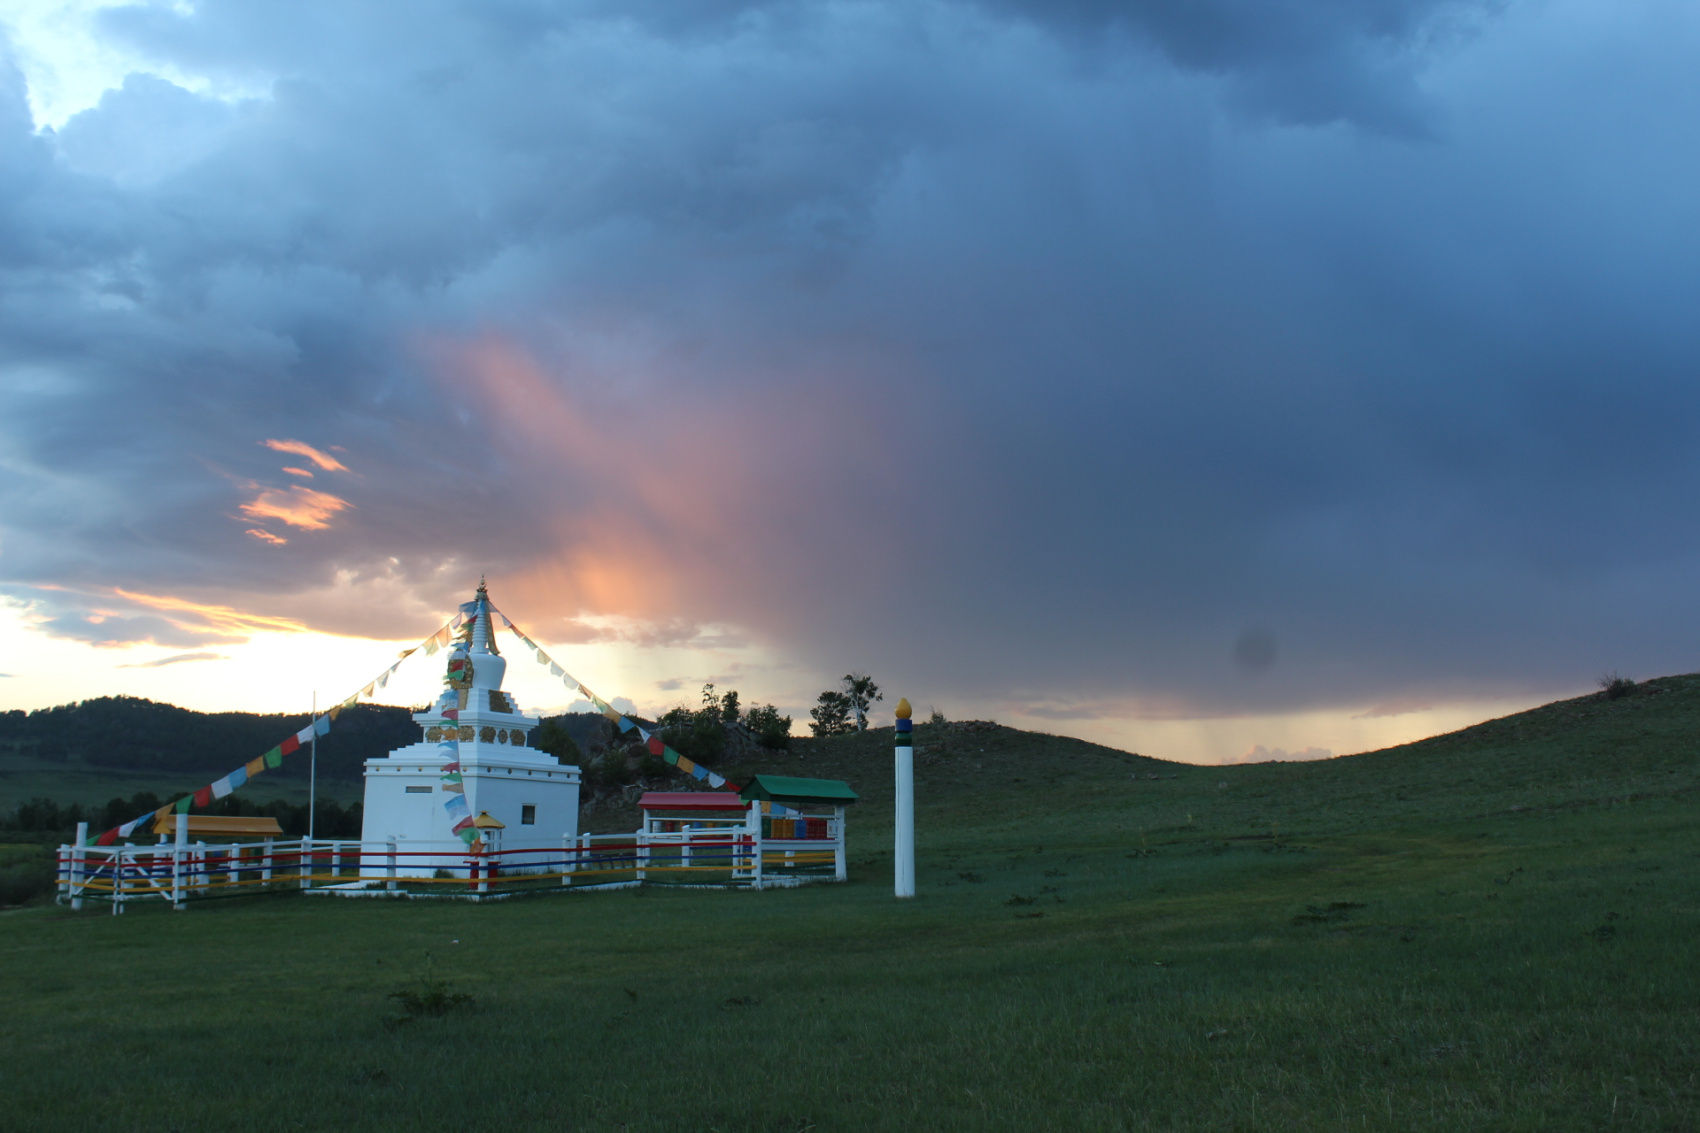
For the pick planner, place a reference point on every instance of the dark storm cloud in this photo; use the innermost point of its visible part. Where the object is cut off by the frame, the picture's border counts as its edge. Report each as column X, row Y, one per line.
column 1303, row 61
column 1220, row 357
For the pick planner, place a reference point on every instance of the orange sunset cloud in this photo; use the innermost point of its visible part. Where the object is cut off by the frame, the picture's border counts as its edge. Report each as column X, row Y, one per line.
column 301, row 448
column 305, row 508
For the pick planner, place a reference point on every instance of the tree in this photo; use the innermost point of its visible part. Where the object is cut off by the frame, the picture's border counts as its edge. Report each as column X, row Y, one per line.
column 770, row 728
column 699, row 733
column 831, row 714
column 552, row 738
column 860, row 692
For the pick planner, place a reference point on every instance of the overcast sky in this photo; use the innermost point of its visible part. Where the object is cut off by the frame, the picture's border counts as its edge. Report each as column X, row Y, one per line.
column 1221, row 380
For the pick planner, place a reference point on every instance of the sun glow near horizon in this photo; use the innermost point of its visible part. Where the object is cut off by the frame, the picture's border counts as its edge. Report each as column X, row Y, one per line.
column 280, row 665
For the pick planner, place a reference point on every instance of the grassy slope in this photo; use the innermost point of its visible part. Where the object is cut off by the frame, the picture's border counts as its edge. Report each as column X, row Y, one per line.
column 74, row 782
column 1486, row 930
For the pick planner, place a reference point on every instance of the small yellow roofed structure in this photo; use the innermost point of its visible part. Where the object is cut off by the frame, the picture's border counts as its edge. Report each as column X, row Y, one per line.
column 219, row 824
column 485, row 822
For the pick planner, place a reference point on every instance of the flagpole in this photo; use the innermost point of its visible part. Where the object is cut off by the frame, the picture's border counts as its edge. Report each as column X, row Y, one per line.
column 313, row 772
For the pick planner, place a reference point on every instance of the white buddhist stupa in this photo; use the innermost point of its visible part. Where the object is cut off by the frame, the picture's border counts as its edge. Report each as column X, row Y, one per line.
column 531, row 796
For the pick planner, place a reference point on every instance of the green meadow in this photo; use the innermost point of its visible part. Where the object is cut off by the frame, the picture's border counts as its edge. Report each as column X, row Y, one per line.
column 1488, row 930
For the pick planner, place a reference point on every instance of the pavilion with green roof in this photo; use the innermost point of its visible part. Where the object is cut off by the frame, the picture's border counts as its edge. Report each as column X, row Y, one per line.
column 791, row 834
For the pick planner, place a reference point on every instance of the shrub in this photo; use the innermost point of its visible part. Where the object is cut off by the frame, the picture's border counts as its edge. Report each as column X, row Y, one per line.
column 1616, row 687
column 23, row 882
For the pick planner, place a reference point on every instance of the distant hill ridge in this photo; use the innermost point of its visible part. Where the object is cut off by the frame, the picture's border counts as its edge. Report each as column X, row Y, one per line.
column 1652, row 725
column 134, row 735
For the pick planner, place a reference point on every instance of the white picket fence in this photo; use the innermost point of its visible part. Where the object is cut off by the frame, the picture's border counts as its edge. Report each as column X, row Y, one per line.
column 741, row 856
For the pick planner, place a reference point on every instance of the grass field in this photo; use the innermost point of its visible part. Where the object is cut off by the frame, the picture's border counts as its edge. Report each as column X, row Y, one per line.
column 1492, row 930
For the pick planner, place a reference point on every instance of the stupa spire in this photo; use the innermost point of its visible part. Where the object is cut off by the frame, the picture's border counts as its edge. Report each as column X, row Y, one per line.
column 483, row 638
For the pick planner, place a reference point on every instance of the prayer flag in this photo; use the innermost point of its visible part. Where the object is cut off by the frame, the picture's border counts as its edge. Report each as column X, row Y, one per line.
column 184, row 803
column 323, row 723
column 305, row 735
column 220, row 788
column 256, row 766
column 237, row 777
column 289, row 745
column 274, row 757
column 203, row 797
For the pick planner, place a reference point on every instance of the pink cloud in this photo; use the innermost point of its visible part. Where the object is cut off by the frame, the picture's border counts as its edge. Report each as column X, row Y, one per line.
column 305, row 508
column 301, row 448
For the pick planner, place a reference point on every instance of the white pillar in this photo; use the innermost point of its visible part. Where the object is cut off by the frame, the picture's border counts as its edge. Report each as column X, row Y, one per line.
column 904, row 883
column 179, row 845
column 389, row 863
column 757, row 844
column 840, row 868
column 75, row 887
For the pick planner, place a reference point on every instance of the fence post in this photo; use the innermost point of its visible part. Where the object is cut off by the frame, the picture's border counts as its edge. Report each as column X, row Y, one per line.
column 569, row 844
column 756, row 841
column 75, row 887
column 117, row 880
column 179, row 843
column 266, row 861
column 306, row 862
column 389, row 863
column 840, row 868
